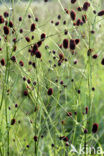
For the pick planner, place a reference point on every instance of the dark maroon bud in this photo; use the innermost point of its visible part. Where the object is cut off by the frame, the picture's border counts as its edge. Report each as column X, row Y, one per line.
column 86, row 110
column 59, row 63
column 75, row 113
column 57, row 23
column 69, row 114
column 38, row 54
column 102, row 62
column 67, row 11
column 13, row 121
column 24, row 78
column 16, row 105
column 25, row 92
column 50, row 91
column 1, row 19
column 73, row 15
column 27, row 146
column 61, row 56
column 52, row 21
column 101, row 13
column 29, row 16
column 77, row 41
column 36, row 19
column 6, row 14
column 21, row 31
column 95, row 56
column 10, row 24
column 79, row 22
column 34, row 64
column 95, row 128
column 93, row 89
column 34, row 83
column 72, row 44
column 32, row 27
column 65, row 139
column 86, row 5
column 13, row 58
column 73, row 1
column 43, row 36
column 35, row 138
column 79, row 9
column 29, row 62
column 75, row 61
column 84, row 18
column 65, row 43
column 53, row 145
column 79, row 91
column 94, row 11
column 59, row 17
column 35, row 47
column 27, row 39
column 61, row 82
column 67, row 144
column 64, row 22
column 21, row 63
column 92, row 32
column 20, row 19
column 45, row 0
column 85, row 131
column 6, row 30
column 0, row 49
column 66, row 32
column 3, row 62
column 28, row 81
column 39, row 43
column 14, row 40
column 32, row 37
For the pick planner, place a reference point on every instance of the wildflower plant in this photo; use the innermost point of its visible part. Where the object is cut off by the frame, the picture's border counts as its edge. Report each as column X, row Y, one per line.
column 51, row 70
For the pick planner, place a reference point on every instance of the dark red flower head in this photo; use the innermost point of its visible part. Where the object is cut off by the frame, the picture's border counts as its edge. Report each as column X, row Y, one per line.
column 13, row 58
column 38, row 54
column 6, row 14
column 65, row 43
column 73, row 15
column 95, row 128
column 27, row 39
column 3, row 62
column 84, row 18
column 43, row 36
column 72, row 44
column 32, row 27
column 73, row 1
column 101, row 13
column 77, row 41
column 102, row 62
column 13, row 121
column 1, row 19
column 21, row 63
column 67, row 11
column 79, row 22
column 10, row 24
column 86, row 5
column 50, row 91
column 25, row 92
column 35, row 138
column 20, row 19
column 6, row 30
column 86, row 110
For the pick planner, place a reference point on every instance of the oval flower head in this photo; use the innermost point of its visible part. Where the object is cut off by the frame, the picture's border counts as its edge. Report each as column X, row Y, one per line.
column 95, row 128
